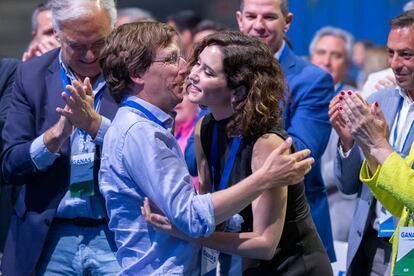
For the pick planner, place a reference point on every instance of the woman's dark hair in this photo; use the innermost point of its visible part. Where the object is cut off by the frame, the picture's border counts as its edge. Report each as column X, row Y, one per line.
column 249, row 63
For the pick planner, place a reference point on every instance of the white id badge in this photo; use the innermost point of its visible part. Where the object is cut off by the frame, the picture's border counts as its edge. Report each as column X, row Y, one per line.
column 386, row 226
column 81, row 175
column 405, row 254
column 209, row 260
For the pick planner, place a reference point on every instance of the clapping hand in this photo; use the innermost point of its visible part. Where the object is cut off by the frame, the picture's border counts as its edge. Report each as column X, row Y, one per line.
column 338, row 123
column 79, row 109
column 367, row 126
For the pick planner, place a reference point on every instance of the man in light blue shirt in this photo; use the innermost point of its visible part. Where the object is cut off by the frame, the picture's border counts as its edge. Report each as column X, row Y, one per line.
column 141, row 158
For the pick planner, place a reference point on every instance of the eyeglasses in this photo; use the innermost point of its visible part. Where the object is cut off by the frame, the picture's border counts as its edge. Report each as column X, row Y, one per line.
column 79, row 47
column 173, row 59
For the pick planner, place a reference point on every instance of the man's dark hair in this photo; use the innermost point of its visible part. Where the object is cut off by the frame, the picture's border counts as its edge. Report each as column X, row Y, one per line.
column 39, row 8
column 405, row 19
column 284, row 6
column 184, row 20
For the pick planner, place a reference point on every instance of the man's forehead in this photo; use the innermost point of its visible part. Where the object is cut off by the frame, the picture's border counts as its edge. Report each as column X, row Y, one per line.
column 45, row 14
column 403, row 30
column 339, row 41
column 401, row 35
column 262, row 6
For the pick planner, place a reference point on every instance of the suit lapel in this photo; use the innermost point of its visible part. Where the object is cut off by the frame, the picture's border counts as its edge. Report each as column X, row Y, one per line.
column 391, row 106
column 287, row 64
column 286, row 61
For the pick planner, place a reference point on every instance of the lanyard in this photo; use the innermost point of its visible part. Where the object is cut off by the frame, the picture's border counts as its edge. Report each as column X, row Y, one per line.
column 146, row 112
column 231, row 157
column 97, row 99
column 64, row 78
column 66, row 81
column 396, row 129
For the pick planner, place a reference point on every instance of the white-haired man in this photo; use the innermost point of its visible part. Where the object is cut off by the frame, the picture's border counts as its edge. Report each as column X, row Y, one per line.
column 331, row 49
column 52, row 141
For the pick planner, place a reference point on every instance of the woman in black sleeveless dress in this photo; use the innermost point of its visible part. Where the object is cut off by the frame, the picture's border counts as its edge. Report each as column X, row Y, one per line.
column 240, row 81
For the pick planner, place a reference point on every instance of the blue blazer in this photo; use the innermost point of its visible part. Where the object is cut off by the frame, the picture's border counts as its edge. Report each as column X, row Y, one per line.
column 347, row 172
column 36, row 94
column 310, row 89
column 7, row 69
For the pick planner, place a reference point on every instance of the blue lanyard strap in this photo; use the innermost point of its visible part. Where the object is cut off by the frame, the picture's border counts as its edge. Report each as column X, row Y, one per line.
column 146, row 112
column 64, row 78
column 396, row 129
column 66, row 81
column 228, row 167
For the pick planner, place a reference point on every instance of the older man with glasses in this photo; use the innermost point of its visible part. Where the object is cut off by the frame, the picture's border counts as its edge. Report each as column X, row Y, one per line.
column 59, row 114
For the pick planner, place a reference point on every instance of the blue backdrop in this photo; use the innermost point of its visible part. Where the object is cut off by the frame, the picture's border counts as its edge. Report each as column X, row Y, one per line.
column 365, row 19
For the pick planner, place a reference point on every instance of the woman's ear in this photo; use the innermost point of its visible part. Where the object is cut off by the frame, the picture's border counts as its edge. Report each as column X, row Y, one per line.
column 239, row 93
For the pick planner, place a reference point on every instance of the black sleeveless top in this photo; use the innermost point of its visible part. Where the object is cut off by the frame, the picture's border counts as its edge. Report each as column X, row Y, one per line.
column 300, row 250
column 297, row 206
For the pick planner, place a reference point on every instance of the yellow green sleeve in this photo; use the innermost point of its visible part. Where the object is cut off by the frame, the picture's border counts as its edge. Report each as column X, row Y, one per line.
column 392, row 184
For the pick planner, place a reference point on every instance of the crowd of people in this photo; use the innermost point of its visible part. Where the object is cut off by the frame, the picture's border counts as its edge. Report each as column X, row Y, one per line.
column 132, row 146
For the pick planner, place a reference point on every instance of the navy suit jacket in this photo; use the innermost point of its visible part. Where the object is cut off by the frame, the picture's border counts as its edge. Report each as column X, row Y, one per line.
column 347, row 172
column 310, row 89
column 7, row 69
column 36, row 94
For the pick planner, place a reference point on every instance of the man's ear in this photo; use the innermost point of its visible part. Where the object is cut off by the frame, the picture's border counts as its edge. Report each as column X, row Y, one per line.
column 136, row 78
column 239, row 18
column 56, row 34
column 239, row 93
column 288, row 22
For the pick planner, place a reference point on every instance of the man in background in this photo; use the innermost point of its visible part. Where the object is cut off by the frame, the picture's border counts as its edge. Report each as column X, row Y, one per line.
column 184, row 22
column 331, row 50
column 43, row 37
column 52, row 142
column 309, row 90
column 132, row 14
column 369, row 249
